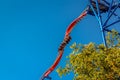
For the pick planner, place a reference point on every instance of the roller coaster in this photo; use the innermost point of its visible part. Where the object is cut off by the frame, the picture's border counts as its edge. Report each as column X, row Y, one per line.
column 95, row 8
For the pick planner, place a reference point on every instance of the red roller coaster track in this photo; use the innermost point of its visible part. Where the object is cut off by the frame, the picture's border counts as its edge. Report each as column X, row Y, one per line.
column 63, row 44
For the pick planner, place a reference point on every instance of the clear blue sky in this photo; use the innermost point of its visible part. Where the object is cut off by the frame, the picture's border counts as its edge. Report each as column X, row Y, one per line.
column 31, row 32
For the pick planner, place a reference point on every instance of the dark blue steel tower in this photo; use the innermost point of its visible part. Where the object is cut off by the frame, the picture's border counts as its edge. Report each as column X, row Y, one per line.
column 109, row 9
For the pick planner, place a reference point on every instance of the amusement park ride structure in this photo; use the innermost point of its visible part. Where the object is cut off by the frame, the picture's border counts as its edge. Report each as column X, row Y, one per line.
column 96, row 8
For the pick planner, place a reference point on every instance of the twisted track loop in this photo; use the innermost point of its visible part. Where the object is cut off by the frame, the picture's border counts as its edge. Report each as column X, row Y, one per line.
column 66, row 40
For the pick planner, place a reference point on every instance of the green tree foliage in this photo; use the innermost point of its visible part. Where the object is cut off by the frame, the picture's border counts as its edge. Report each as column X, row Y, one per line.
column 94, row 62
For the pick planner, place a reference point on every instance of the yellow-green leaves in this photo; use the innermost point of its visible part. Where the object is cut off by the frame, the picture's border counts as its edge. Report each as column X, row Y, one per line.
column 113, row 39
column 94, row 62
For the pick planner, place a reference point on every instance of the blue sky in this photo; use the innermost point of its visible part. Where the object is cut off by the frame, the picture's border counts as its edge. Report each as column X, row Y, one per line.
column 31, row 32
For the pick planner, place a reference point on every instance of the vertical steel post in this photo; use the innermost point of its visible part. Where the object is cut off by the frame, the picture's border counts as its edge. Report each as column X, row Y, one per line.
column 110, row 6
column 99, row 18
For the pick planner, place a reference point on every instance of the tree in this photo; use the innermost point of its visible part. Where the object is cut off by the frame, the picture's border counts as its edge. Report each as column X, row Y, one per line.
column 94, row 62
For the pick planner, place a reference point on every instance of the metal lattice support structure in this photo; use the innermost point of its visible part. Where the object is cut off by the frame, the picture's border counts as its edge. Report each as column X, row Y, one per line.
column 110, row 8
